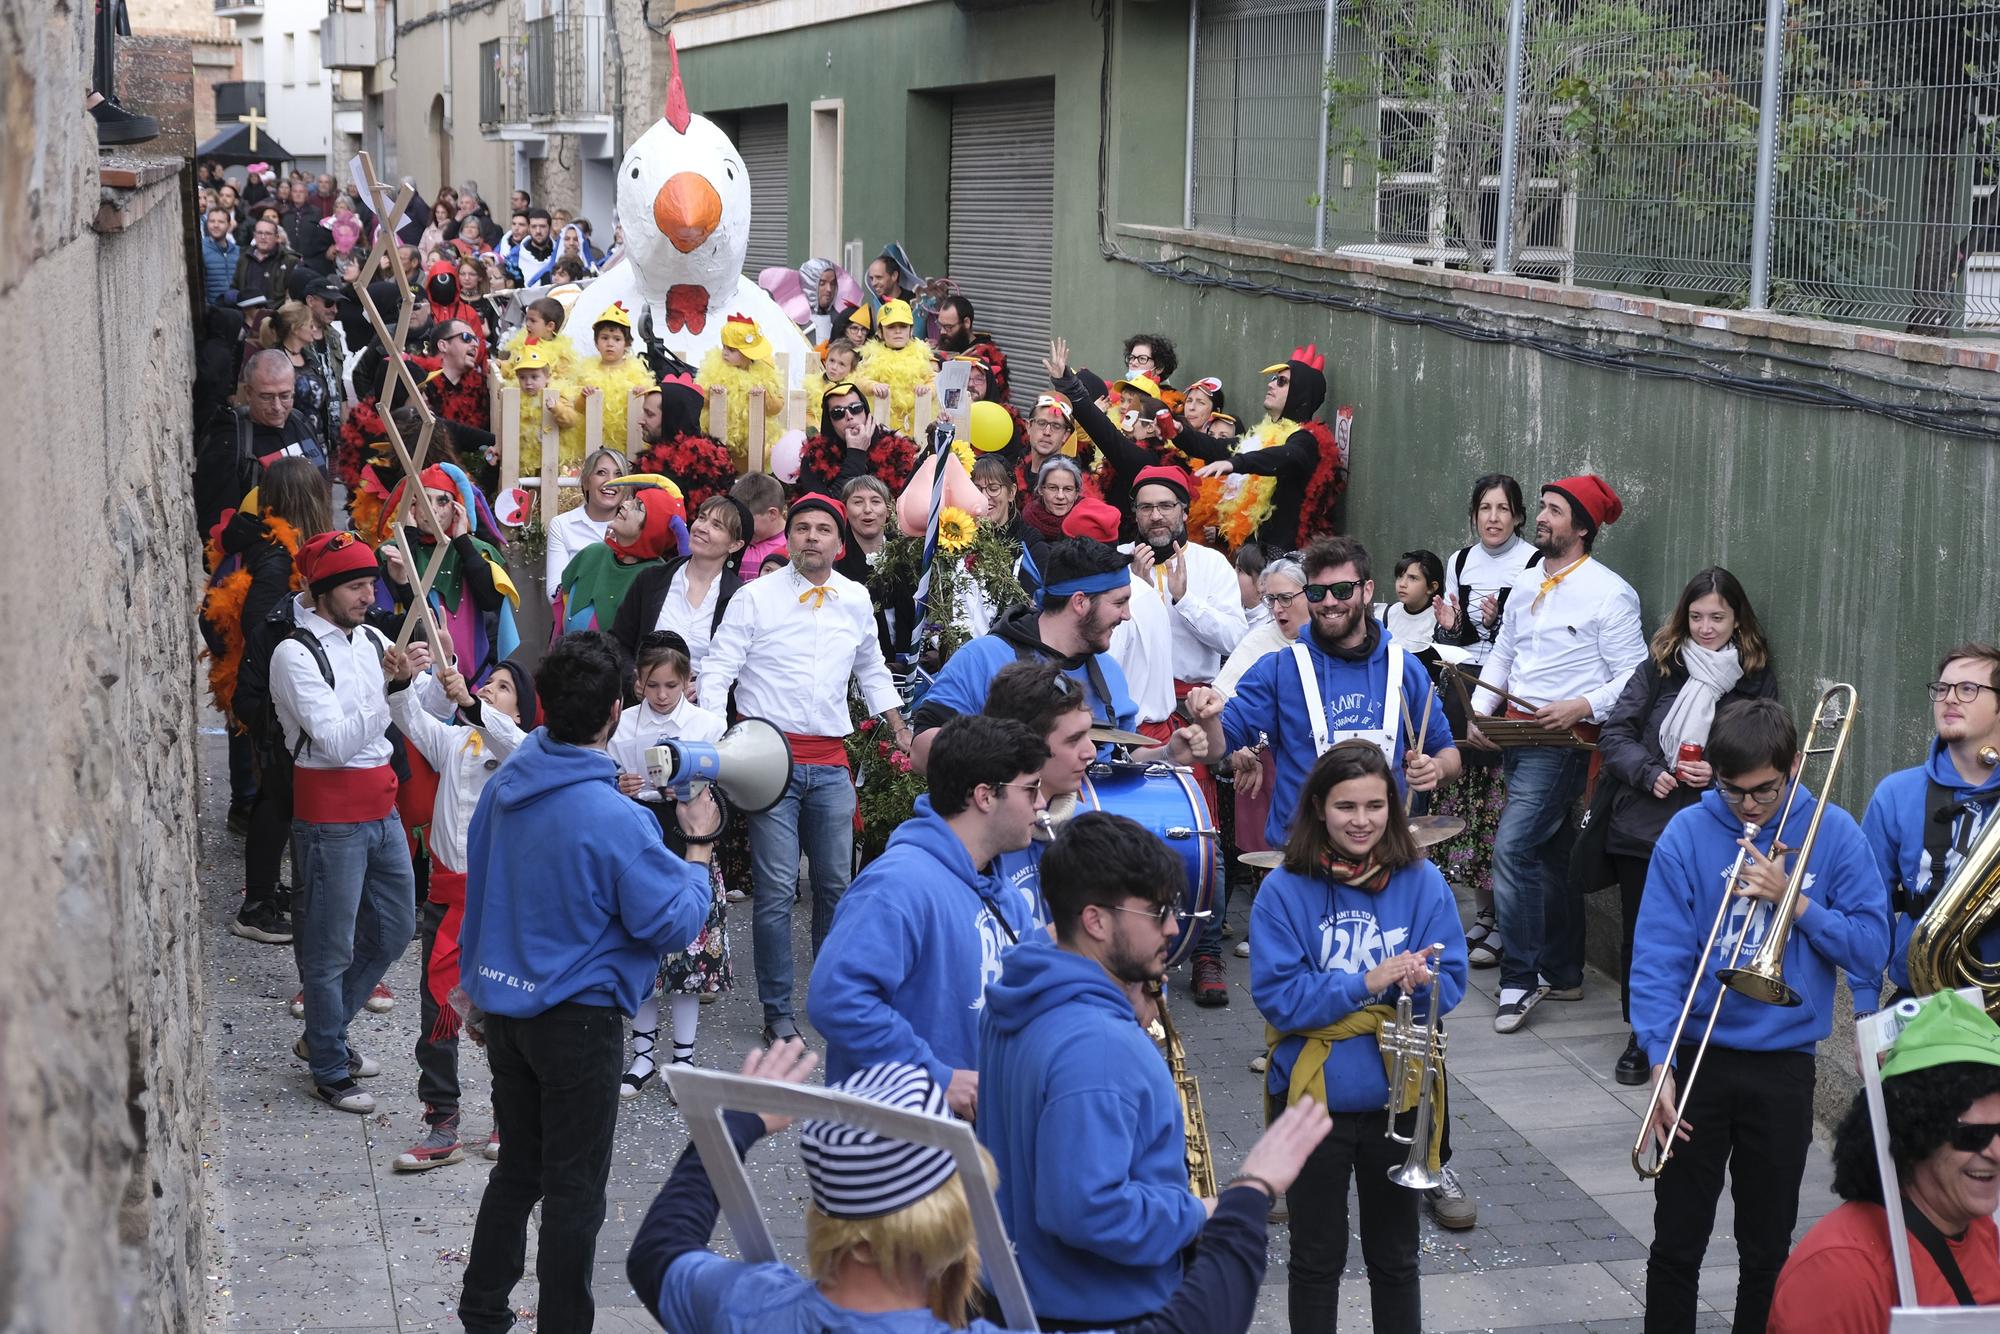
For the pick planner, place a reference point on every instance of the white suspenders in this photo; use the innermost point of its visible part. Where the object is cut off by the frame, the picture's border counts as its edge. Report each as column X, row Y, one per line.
column 1383, row 738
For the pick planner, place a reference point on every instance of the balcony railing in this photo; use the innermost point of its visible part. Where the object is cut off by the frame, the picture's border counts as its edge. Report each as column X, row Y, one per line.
column 225, row 8
column 564, row 73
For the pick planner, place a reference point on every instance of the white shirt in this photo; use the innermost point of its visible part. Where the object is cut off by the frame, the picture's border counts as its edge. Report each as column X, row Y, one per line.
column 642, row 727
column 568, row 533
column 1143, row 648
column 790, row 661
column 1266, row 638
column 1584, row 640
column 1208, row 621
column 349, row 722
column 1415, row 633
column 692, row 622
column 1486, row 572
column 464, row 756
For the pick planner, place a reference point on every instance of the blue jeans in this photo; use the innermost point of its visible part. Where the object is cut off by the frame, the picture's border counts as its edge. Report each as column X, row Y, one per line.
column 1540, row 924
column 353, row 910
column 817, row 811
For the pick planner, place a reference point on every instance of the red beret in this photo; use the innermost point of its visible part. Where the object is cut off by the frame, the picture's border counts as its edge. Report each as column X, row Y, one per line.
column 332, row 559
column 1591, row 496
column 1092, row 518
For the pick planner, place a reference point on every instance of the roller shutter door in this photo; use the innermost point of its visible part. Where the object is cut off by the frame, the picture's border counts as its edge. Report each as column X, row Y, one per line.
column 760, row 136
column 1003, row 220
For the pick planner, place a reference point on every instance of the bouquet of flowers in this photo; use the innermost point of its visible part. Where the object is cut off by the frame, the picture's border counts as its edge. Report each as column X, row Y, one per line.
column 885, row 787
column 973, row 560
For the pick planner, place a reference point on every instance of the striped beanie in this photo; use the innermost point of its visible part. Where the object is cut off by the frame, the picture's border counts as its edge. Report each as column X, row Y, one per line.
column 857, row 1173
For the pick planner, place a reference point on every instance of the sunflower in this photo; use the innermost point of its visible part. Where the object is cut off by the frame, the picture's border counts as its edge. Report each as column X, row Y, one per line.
column 963, row 448
column 956, row 529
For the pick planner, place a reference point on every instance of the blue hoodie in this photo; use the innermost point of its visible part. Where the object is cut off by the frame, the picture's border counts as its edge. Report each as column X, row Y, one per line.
column 1268, row 702
column 1846, row 925
column 902, row 975
column 1894, row 827
column 570, row 894
column 1020, row 875
column 1084, row 1124
column 1312, row 943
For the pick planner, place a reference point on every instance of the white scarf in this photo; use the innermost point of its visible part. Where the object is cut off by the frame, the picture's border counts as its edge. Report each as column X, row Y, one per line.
column 1712, row 673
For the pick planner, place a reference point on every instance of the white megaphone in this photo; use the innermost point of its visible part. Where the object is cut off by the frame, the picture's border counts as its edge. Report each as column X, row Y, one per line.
column 751, row 763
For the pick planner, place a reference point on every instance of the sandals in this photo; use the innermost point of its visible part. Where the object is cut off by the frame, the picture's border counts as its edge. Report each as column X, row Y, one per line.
column 637, row 1078
column 1482, row 949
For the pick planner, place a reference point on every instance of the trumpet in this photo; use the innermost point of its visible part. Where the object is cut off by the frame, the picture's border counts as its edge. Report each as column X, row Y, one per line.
column 1418, row 1055
column 1763, row 977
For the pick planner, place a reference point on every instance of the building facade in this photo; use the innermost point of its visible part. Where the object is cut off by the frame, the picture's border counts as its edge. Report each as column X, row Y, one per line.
column 218, row 58
column 280, row 40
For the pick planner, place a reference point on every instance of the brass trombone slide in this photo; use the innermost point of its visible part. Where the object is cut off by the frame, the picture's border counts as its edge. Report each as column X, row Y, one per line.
column 1763, row 977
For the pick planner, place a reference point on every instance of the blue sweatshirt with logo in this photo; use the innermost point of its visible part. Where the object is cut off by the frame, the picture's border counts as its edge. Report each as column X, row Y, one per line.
column 1894, row 826
column 1084, row 1124
column 903, row 973
column 1312, row 943
column 1269, row 703
column 570, row 894
column 1846, row 925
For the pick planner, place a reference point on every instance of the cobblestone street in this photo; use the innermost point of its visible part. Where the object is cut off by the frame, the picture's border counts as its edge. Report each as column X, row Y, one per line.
column 309, row 1228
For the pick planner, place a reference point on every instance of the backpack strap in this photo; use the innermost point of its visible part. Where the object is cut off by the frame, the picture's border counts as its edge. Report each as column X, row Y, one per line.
column 1942, row 811
column 303, row 636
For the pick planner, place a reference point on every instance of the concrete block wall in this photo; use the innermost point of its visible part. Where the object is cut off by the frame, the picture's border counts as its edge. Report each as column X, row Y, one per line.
column 102, row 1076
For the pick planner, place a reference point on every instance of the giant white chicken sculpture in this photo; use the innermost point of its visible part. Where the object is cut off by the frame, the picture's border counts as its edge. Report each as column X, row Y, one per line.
column 684, row 202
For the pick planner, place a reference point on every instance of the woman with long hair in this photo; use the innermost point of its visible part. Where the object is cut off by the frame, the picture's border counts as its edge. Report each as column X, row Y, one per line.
column 1710, row 651
column 252, row 559
column 1353, row 919
column 1477, row 578
column 689, row 594
column 580, row 526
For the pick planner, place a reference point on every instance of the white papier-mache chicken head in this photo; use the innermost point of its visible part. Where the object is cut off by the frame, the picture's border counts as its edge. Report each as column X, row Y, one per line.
column 684, row 199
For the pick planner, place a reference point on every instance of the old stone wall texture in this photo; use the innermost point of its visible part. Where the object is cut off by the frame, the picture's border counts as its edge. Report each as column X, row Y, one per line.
column 102, row 1081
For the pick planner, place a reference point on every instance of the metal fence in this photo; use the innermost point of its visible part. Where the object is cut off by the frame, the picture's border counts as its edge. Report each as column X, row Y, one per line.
column 492, row 103
column 1831, row 158
column 556, row 67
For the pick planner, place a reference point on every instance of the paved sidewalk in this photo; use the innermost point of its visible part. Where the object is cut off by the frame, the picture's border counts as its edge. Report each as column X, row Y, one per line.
column 309, row 1228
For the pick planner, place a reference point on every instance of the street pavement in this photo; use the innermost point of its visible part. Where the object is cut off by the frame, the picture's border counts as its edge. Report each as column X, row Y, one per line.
column 310, row 1228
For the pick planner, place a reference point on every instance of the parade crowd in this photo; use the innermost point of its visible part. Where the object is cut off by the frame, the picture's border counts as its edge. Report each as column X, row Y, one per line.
column 1152, row 599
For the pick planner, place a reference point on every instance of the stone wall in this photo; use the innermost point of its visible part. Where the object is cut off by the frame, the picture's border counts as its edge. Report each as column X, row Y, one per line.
column 102, row 1077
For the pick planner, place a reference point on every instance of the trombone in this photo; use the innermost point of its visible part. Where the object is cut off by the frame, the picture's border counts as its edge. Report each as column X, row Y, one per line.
column 1418, row 1054
column 1762, row 978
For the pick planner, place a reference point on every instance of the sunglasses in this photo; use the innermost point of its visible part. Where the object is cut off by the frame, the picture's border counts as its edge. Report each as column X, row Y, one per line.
column 1341, row 590
column 466, row 336
column 1160, row 912
column 847, row 410
column 1973, row 1136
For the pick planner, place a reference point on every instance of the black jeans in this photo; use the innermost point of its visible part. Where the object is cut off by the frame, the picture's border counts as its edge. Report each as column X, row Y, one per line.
column 1631, row 887
column 437, row 1058
column 270, row 832
column 555, row 1102
column 1753, row 1112
column 1356, row 1147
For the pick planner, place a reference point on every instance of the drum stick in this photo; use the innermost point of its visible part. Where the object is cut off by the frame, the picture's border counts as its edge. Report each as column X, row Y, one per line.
column 1424, row 730
column 1515, row 700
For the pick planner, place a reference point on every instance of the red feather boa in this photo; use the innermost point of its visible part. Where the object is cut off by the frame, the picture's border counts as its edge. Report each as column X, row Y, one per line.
column 699, row 464
column 891, row 457
column 1329, row 478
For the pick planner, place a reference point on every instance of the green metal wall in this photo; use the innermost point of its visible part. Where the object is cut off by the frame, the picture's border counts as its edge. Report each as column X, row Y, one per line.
column 1867, row 545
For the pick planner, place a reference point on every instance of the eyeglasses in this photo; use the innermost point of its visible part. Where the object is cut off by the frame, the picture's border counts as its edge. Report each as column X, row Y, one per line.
column 1161, row 507
column 1962, row 691
column 1973, row 1136
column 1275, row 600
column 1033, row 787
column 1763, row 794
column 1341, row 590
column 1139, row 359
column 847, row 410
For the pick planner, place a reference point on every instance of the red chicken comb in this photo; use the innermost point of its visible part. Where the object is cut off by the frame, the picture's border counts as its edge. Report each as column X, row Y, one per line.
column 1309, row 355
column 677, row 114
column 680, row 379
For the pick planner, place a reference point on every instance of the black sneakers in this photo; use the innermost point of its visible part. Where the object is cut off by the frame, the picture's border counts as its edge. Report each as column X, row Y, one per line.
column 116, row 125
column 261, row 920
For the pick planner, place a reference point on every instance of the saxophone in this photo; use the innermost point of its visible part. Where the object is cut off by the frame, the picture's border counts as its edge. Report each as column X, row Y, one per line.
column 1200, row 1159
column 1944, row 945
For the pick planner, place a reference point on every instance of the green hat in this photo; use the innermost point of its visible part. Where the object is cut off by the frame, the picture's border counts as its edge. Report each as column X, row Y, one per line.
column 1947, row 1031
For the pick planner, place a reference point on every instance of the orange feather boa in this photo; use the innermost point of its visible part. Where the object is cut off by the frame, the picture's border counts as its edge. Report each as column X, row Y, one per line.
column 222, row 608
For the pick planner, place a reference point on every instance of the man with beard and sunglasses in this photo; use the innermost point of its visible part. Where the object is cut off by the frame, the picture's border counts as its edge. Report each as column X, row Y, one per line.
column 1342, row 679
column 1569, row 640
column 1083, row 1121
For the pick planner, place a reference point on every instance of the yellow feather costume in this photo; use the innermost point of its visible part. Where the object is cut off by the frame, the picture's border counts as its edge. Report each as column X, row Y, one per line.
column 736, row 382
column 902, row 369
column 616, row 384
column 561, row 348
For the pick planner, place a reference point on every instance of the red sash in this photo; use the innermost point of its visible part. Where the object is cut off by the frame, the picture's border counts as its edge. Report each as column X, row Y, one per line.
column 343, row 796
column 827, row 750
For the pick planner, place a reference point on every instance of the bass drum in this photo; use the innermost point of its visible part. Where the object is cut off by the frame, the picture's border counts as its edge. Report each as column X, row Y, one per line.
column 1167, row 801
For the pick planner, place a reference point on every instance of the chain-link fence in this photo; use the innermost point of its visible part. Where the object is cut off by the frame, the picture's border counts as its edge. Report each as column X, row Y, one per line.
column 1832, row 158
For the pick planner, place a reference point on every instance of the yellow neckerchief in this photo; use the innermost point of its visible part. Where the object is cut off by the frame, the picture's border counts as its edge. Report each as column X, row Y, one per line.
column 817, row 594
column 1308, row 1078
column 1549, row 584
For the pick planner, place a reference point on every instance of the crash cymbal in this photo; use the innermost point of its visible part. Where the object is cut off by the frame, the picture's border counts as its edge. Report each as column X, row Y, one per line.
column 1102, row 733
column 1430, row 830
column 1263, row 861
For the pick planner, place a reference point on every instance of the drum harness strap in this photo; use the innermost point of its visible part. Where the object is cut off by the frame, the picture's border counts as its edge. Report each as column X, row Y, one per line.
column 1392, row 705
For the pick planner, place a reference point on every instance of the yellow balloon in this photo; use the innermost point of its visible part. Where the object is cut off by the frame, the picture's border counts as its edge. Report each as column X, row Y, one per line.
column 992, row 428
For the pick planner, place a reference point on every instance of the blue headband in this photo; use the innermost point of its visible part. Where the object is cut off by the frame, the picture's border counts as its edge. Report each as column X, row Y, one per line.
column 1086, row 583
